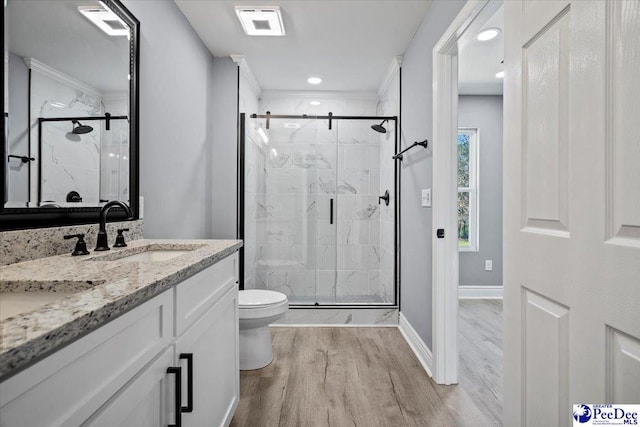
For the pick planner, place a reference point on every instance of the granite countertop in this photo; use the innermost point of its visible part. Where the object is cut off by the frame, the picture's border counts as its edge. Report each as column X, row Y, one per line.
column 101, row 291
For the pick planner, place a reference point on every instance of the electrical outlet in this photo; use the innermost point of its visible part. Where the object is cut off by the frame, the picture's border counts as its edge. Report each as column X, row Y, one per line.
column 426, row 198
column 488, row 265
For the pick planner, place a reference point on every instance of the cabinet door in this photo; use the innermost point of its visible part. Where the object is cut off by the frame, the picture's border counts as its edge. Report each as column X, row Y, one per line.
column 148, row 401
column 213, row 342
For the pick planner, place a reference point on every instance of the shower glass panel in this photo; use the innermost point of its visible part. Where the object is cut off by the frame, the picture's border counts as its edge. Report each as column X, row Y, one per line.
column 313, row 228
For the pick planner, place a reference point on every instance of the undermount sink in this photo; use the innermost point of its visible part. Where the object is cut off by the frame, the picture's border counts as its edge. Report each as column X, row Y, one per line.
column 154, row 255
column 14, row 303
column 18, row 297
column 149, row 253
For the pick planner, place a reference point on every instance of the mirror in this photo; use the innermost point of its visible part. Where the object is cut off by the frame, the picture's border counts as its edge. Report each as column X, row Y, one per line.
column 70, row 98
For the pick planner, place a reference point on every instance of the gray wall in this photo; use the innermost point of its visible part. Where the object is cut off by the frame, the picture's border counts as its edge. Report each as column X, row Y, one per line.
column 176, row 95
column 417, row 169
column 485, row 114
column 224, row 116
column 18, row 99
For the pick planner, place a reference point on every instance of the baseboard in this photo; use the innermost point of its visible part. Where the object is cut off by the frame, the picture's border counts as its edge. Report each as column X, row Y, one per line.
column 480, row 292
column 418, row 346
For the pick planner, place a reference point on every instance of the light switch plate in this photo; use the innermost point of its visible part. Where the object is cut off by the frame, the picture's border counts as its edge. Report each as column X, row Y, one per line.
column 426, row 198
column 488, row 265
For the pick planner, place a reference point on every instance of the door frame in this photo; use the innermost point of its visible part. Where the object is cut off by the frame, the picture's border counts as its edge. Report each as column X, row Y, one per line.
column 444, row 278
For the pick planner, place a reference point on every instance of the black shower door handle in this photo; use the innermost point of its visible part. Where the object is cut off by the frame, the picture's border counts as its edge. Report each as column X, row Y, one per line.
column 330, row 211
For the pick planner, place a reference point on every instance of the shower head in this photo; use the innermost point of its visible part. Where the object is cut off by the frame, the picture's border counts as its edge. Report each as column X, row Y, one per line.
column 380, row 128
column 80, row 128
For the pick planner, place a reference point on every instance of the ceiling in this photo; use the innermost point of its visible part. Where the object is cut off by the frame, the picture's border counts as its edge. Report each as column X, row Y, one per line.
column 349, row 44
column 79, row 49
column 479, row 61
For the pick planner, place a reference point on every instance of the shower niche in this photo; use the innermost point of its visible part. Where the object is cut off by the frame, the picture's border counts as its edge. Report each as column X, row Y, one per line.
column 315, row 223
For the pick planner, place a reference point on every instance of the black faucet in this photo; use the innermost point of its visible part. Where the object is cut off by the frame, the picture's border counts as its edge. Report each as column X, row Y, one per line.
column 102, row 244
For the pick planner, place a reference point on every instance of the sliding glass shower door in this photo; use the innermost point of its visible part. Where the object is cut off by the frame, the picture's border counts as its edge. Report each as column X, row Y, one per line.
column 312, row 219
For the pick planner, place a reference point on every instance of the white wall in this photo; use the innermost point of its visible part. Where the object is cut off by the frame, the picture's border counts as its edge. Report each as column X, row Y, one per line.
column 416, row 125
column 176, row 94
column 485, row 113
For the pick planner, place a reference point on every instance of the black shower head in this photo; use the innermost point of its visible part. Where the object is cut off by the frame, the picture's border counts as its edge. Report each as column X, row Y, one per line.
column 80, row 129
column 380, row 128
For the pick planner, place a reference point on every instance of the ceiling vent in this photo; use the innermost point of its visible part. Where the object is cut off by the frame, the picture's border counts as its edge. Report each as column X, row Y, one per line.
column 261, row 20
column 105, row 19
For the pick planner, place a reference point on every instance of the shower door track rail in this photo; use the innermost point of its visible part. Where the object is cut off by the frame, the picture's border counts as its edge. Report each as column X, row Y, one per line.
column 305, row 116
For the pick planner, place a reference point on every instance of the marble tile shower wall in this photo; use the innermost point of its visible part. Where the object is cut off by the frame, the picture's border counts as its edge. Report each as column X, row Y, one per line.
column 254, row 176
column 114, row 152
column 388, row 106
column 255, row 194
column 298, row 251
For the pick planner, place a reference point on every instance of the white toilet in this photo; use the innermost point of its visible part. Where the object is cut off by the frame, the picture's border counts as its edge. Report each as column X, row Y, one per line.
column 258, row 308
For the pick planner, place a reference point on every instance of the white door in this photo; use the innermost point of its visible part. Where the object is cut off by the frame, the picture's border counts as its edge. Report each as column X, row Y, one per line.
column 572, row 208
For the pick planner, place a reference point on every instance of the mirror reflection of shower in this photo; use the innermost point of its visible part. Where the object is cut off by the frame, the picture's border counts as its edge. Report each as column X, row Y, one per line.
column 79, row 128
column 380, row 128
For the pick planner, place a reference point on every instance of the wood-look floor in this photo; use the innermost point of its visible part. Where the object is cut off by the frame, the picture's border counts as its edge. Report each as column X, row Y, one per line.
column 480, row 350
column 349, row 377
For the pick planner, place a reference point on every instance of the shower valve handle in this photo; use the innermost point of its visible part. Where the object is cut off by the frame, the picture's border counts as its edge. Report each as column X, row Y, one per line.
column 384, row 197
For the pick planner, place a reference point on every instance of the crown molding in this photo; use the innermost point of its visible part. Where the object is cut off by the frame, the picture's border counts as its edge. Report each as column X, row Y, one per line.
column 48, row 71
column 248, row 74
column 392, row 71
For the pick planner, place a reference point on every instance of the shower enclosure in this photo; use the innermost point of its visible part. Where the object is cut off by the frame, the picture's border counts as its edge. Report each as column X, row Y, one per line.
column 314, row 219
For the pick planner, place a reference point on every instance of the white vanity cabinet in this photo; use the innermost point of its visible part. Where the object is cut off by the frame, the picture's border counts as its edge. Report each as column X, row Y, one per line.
column 118, row 374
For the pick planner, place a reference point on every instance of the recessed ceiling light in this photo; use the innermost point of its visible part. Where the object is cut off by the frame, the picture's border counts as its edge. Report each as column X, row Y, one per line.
column 105, row 19
column 314, row 80
column 261, row 20
column 488, row 34
column 314, row 102
column 500, row 75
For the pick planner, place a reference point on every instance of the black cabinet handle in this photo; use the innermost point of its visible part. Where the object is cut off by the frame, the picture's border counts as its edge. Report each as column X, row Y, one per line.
column 189, row 358
column 331, row 211
column 178, row 391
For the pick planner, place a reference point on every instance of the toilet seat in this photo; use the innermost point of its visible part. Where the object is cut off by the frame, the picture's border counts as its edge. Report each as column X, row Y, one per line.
column 259, row 303
column 259, row 298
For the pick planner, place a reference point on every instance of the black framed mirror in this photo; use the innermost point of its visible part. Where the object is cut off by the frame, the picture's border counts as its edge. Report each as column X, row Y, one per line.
column 70, row 95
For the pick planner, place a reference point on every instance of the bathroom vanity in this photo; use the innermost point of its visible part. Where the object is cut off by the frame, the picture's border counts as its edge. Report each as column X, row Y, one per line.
column 141, row 336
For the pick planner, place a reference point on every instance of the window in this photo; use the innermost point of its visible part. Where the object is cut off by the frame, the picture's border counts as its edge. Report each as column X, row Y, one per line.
column 467, row 189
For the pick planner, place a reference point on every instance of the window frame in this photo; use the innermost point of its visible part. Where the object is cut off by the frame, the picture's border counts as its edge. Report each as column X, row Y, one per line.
column 473, row 189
